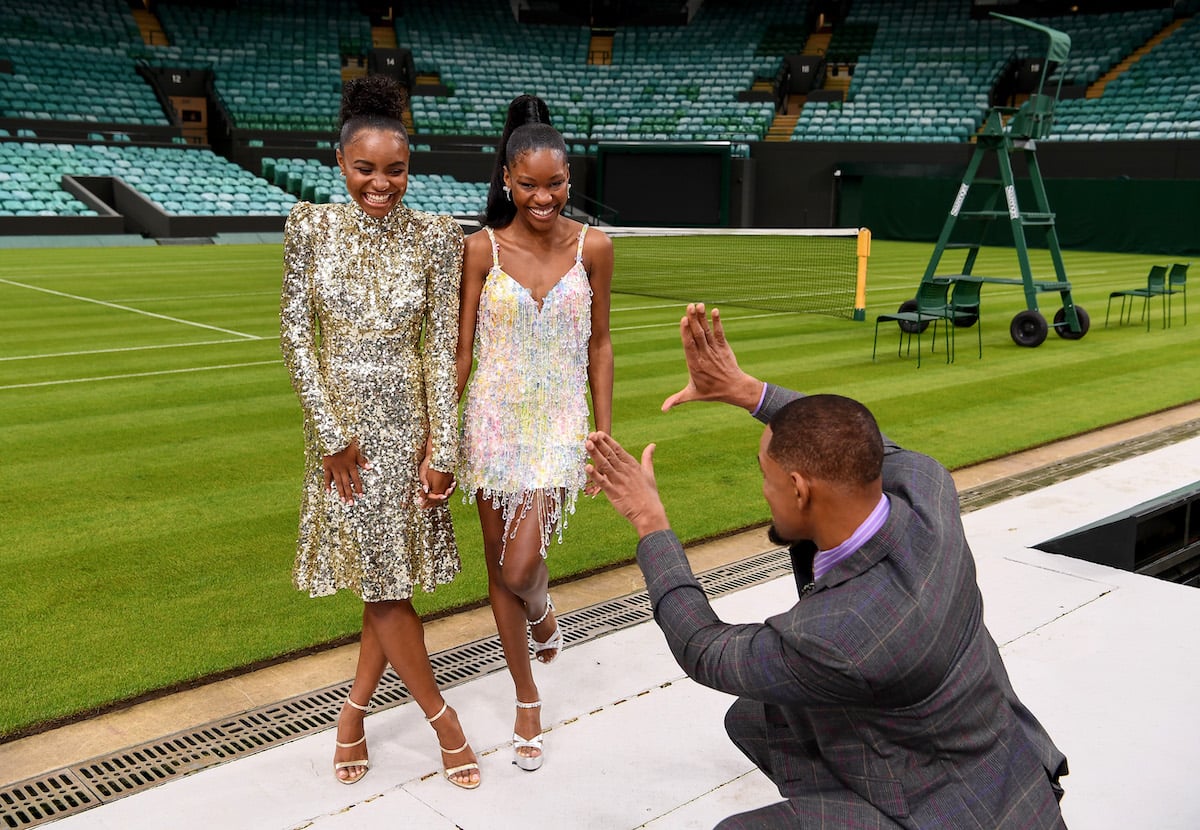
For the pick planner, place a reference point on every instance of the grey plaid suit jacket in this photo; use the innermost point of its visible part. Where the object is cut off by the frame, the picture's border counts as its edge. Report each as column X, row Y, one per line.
column 880, row 696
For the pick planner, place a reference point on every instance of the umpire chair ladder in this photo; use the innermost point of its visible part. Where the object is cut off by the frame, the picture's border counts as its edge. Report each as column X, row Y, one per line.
column 1027, row 123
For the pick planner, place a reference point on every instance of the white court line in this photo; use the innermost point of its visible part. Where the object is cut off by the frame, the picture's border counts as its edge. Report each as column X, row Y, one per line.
column 243, row 339
column 646, row 307
column 129, row 308
column 724, row 317
column 140, row 374
column 130, row 349
column 664, row 325
column 225, row 295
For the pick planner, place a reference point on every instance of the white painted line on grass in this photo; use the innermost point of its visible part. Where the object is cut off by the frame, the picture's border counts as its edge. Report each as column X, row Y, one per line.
column 676, row 304
column 724, row 317
column 129, row 308
column 140, row 374
column 174, row 297
column 131, row 349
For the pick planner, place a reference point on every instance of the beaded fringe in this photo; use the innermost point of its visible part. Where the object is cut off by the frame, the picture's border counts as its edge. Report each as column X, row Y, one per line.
column 550, row 507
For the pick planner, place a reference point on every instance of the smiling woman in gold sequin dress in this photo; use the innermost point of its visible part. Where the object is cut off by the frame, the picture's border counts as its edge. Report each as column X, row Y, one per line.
column 369, row 325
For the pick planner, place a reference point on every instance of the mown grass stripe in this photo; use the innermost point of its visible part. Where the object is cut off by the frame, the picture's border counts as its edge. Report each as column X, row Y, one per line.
column 140, row 374
column 120, row 349
column 130, row 309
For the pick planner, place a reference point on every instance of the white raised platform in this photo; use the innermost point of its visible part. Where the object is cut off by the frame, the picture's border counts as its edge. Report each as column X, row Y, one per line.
column 1108, row 661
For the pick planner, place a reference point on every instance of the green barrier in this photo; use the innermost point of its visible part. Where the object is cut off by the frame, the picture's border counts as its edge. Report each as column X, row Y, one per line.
column 1119, row 215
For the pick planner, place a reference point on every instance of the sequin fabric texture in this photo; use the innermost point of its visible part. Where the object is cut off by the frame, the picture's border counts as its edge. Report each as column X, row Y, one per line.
column 525, row 418
column 358, row 294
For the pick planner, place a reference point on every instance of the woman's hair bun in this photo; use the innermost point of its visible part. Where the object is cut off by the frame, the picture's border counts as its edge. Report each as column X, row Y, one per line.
column 372, row 97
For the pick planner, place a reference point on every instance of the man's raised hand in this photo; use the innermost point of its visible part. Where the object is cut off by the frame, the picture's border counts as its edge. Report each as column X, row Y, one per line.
column 713, row 371
column 629, row 486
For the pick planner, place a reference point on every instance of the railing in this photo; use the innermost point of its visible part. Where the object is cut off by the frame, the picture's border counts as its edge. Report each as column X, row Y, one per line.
column 590, row 211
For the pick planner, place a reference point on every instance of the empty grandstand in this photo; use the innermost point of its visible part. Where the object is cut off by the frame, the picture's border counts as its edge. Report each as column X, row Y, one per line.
column 226, row 109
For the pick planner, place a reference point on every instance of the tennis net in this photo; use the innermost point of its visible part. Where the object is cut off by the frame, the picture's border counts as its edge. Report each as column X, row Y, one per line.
column 819, row 271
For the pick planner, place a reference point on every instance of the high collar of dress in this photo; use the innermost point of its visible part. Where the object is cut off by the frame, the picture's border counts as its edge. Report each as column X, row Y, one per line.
column 377, row 224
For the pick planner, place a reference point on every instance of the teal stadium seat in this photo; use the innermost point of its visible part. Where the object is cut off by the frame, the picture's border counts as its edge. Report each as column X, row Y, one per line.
column 184, row 181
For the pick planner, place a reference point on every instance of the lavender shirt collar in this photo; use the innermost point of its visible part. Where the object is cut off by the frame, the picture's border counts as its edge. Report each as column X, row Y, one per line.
column 824, row 560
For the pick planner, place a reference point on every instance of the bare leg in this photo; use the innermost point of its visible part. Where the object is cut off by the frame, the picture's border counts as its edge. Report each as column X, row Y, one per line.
column 401, row 637
column 371, row 664
column 517, row 593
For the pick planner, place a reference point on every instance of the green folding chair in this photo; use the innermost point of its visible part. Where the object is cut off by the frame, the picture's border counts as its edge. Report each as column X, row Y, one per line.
column 1156, row 286
column 914, row 316
column 964, row 308
column 1177, row 284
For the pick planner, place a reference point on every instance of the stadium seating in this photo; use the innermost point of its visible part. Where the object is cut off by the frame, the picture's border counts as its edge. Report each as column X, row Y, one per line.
column 920, row 73
column 664, row 82
column 926, row 73
column 1158, row 97
column 73, row 61
column 181, row 181
column 276, row 63
column 196, row 182
column 312, row 181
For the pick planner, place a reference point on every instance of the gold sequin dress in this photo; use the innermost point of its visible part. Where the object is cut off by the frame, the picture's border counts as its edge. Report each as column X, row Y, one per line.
column 369, row 326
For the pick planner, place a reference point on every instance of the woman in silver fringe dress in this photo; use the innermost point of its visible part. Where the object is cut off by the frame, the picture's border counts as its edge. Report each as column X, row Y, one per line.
column 369, row 323
column 534, row 321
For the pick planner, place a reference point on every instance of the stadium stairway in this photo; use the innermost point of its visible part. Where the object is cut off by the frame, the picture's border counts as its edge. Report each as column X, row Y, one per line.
column 783, row 126
column 383, row 37
column 150, row 27
column 600, row 49
column 1096, row 89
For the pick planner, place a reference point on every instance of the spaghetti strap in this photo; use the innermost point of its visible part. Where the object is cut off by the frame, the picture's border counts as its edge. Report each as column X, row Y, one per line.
column 579, row 248
column 496, row 247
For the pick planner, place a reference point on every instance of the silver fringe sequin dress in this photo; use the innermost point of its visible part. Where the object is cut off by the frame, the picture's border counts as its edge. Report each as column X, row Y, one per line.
column 358, row 293
column 525, row 418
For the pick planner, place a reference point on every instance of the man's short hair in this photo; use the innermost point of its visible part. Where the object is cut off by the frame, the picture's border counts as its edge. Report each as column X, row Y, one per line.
column 828, row 437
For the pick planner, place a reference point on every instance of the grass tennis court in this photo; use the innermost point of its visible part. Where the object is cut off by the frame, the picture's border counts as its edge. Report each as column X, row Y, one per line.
column 150, row 445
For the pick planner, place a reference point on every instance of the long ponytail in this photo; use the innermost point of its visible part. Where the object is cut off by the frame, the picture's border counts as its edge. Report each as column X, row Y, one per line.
column 524, row 109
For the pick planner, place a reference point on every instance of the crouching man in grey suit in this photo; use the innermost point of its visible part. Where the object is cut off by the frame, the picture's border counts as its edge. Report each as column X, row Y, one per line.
column 879, row 700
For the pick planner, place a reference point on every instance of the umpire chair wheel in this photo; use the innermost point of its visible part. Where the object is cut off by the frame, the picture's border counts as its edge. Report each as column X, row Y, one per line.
column 1063, row 329
column 965, row 321
column 909, row 327
column 1029, row 328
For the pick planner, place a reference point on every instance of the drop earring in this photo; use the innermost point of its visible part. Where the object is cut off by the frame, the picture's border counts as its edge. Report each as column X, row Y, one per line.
column 508, row 192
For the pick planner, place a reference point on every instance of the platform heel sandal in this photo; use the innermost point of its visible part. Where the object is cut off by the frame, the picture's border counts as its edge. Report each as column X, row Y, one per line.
column 527, row 762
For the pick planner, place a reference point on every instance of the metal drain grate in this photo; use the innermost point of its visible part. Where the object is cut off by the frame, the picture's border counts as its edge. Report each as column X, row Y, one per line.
column 1076, row 465
column 100, row 780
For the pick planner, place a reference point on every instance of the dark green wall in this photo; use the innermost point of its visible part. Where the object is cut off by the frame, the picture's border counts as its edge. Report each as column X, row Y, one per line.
column 1090, row 214
column 1141, row 196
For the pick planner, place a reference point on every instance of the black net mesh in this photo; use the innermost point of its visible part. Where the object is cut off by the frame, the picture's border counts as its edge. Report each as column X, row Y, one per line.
column 781, row 271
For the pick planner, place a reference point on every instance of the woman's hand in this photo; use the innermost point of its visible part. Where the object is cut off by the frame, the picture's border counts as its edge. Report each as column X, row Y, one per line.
column 436, row 486
column 341, row 472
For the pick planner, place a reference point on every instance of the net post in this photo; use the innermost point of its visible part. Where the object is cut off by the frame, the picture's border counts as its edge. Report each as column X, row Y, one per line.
column 860, row 287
